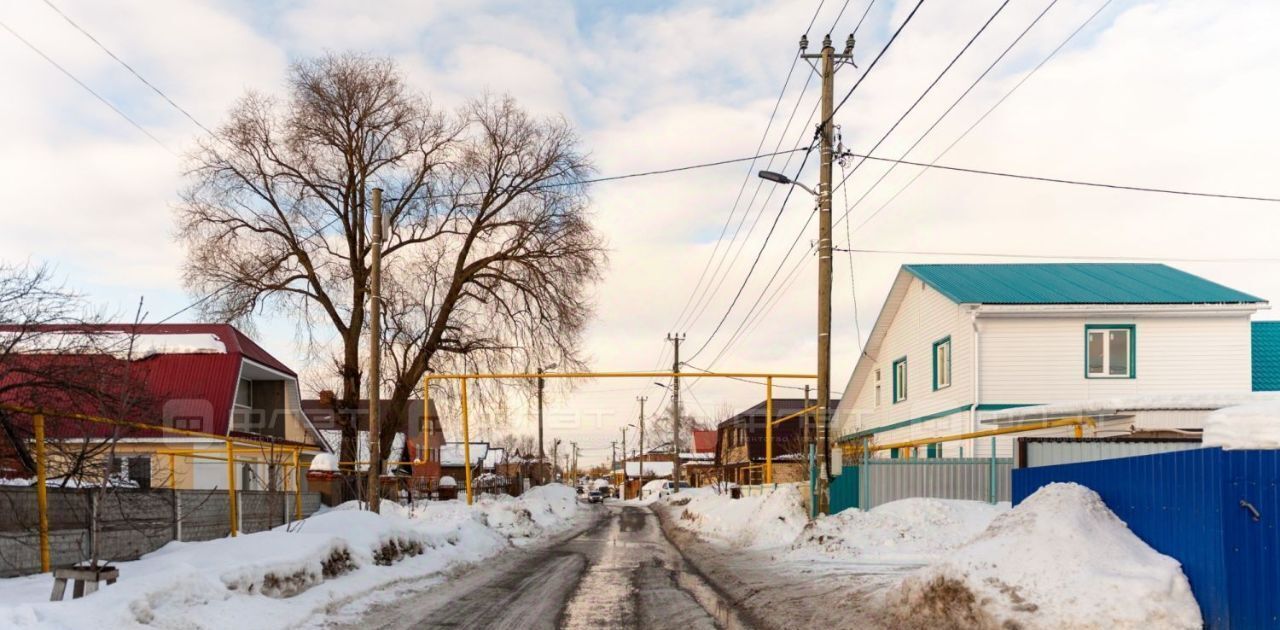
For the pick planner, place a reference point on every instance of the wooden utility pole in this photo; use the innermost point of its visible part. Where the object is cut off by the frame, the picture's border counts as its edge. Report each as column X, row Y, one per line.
column 828, row 59
column 675, row 339
column 375, row 351
column 641, row 421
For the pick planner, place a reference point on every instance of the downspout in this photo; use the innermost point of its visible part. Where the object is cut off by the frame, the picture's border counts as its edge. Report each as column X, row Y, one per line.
column 975, row 378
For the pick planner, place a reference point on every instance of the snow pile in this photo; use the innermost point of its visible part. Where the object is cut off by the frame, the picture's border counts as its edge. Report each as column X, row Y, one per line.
column 1252, row 426
column 905, row 531
column 282, row 578
column 324, row 462
column 772, row 519
column 1060, row 559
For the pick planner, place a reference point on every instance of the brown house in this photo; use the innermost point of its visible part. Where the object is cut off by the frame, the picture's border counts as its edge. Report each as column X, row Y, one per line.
column 740, row 443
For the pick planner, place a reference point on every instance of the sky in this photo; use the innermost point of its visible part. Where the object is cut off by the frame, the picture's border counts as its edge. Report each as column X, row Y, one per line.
column 1173, row 94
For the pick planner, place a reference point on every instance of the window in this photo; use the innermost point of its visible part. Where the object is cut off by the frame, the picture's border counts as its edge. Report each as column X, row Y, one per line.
column 134, row 469
column 244, row 393
column 942, row 363
column 893, row 453
column 878, row 384
column 900, row 380
column 933, row 451
column 1109, row 351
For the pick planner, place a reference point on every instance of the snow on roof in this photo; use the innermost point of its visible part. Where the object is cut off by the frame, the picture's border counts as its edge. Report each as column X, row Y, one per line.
column 697, row 456
column 118, row 344
column 494, row 457
column 1252, row 426
column 1121, row 405
column 452, row 453
column 651, row 469
column 333, row 439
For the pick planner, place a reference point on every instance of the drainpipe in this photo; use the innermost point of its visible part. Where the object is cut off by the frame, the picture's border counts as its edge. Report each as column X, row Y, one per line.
column 975, row 378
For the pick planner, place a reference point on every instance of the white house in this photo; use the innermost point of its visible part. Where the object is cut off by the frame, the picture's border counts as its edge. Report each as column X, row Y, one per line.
column 1142, row 348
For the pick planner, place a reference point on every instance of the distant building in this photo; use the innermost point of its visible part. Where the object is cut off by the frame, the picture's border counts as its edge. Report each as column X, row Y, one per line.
column 407, row 444
column 741, row 441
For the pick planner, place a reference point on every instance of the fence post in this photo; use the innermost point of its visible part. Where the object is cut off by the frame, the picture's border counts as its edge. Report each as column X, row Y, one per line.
column 177, row 515
column 233, row 517
column 992, row 471
column 42, row 494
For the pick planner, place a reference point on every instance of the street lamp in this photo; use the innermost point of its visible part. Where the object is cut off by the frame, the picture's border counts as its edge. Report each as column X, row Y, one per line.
column 542, row 455
column 779, row 178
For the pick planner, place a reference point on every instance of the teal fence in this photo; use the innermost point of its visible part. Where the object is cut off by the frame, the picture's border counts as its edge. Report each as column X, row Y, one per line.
column 878, row 481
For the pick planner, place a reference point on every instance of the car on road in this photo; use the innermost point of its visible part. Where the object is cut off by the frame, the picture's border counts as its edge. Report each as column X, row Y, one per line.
column 595, row 497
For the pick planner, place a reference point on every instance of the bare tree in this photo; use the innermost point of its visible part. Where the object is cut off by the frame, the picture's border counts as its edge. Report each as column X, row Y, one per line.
column 489, row 254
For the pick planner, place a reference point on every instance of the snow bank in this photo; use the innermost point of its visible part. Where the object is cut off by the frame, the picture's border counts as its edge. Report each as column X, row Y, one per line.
column 772, row 519
column 1255, row 426
column 1060, row 559
column 282, row 578
column 901, row 532
column 324, row 462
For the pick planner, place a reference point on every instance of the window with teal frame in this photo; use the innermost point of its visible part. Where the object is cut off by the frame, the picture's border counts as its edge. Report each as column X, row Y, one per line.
column 933, row 451
column 1110, row 351
column 900, row 380
column 893, row 453
column 942, row 363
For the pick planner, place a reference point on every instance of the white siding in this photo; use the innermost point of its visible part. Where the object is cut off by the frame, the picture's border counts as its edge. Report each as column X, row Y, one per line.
column 925, row 316
column 1041, row 360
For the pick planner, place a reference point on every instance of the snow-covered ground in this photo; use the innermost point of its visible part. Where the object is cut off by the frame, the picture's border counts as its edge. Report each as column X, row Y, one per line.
column 1061, row 559
column 281, row 578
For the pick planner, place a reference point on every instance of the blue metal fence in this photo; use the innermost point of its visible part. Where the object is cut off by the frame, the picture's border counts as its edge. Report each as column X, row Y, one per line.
column 1214, row 511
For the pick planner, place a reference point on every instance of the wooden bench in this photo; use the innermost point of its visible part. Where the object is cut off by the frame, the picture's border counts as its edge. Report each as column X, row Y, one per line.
column 85, row 581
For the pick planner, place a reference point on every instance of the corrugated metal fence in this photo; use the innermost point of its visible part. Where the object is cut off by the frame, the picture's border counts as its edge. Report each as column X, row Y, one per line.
column 1051, row 451
column 1217, row 512
column 878, row 481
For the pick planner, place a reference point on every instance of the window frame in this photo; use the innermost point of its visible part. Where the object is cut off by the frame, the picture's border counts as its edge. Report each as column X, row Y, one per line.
column 905, row 392
column 945, row 341
column 1132, row 373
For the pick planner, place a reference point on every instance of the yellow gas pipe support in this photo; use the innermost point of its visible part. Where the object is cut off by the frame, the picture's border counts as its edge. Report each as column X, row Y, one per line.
column 466, row 440
column 1077, row 422
column 768, row 430
column 297, row 484
column 231, row 488
column 42, row 493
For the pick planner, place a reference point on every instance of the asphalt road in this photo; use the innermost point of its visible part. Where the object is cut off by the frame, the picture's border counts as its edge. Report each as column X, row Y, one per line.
column 621, row 572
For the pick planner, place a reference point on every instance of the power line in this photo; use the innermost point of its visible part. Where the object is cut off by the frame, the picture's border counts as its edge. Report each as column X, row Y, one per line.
column 755, row 262
column 906, row 252
column 129, row 68
column 88, row 89
column 927, row 90
column 848, row 208
column 1072, row 182
column 985, row 114
column 875, row 61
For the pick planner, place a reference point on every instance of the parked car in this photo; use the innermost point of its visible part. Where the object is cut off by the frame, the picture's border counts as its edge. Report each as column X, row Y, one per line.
column 669, row 487
column 595, row 497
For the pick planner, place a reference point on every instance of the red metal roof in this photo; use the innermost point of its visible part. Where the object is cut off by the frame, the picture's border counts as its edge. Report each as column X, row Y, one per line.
column 704, row 441
column 192, row 391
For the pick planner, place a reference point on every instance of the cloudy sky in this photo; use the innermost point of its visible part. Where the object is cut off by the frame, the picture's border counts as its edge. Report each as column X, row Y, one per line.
column 1176, row 94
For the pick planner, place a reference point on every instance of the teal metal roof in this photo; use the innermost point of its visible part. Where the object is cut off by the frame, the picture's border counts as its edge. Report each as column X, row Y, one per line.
column 1075, row 283
column 1266, row 356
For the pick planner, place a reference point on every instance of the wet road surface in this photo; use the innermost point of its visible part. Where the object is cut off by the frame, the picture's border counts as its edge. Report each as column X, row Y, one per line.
column 619, row 573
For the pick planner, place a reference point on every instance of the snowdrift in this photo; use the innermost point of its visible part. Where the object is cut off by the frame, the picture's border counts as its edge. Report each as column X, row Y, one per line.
column 280, row 578
column 1060, row 559
column 770, row 520
column 1252, row 426
column 910, row 531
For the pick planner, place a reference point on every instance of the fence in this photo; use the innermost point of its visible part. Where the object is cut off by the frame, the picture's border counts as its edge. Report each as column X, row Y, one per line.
column 877, row 481
column 1217, row 512
column 130, row 522
column 1051, row 451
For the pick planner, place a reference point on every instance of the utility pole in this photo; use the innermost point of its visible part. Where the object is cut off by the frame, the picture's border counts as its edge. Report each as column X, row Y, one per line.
column 641, row 422
column 573, row 455
column 542, row 455
column 622, row 494
column 613, row 459
column 675, row 339
column 555, row 448
column 828, row 59
column 375, row 376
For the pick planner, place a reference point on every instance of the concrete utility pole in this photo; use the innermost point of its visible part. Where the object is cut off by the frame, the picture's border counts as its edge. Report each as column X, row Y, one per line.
column 613, row 458
column 623, row 493
column 828, row 59
column 641, row 421
column 555, row 448
column 675, row 412
column 542, row 455
column 375, row 376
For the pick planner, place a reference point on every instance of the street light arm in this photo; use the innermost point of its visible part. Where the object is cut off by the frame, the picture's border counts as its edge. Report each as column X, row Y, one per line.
column 807, row 189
